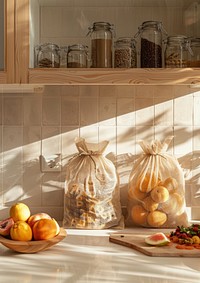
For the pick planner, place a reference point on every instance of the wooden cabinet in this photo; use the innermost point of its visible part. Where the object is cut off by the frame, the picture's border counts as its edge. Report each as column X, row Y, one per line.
column 66, row 21
column 7, row 73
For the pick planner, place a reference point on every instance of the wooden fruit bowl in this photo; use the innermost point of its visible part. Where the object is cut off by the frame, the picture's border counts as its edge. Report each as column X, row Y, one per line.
column 32, row 246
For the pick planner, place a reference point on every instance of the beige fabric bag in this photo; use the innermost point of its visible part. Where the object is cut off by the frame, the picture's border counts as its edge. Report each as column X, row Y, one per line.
column 91, row 189
column 156, row 188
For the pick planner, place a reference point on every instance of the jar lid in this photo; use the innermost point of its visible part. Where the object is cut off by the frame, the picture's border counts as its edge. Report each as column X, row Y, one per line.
column 100, row 25
column 177, row 38
column 151, row 23
column 78, row 47
column 126, row 40
column 49, row 45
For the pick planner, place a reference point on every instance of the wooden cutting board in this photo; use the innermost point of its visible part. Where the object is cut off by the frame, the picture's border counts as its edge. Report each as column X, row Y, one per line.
column 137, row 242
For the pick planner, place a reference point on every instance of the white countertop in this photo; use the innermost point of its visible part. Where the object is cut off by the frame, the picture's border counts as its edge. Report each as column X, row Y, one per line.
column 89, row 257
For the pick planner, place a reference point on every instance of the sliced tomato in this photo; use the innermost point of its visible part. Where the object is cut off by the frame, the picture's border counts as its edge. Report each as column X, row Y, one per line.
column 197, row 246
column 180, row 247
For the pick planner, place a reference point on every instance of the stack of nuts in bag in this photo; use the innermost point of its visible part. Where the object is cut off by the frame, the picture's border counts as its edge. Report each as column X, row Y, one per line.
column 156, row 189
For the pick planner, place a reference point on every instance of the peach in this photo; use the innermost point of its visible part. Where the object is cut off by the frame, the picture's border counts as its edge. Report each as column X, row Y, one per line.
column 35, row 217
column 57, row 225
column 45, row 229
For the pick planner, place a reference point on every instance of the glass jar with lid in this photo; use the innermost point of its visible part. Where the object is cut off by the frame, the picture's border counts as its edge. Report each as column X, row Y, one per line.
column 36, row 52
column 194, row 55
column 63, row 56
column 151, row 41
column 125, row 55
column 77, row 56
column 48, row 56
column 177, row 51
column 101, row 44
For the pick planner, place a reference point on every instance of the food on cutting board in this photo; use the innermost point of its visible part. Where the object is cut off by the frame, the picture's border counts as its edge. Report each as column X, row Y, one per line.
column 186, row 237
column 157, row 239
column 22, row 226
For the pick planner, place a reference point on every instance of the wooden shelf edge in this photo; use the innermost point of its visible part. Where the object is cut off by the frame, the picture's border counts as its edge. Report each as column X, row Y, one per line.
column 164, row 76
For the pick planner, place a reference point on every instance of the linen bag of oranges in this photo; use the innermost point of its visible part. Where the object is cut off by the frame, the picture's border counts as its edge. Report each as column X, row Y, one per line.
column 156, row 193
column 92, row 199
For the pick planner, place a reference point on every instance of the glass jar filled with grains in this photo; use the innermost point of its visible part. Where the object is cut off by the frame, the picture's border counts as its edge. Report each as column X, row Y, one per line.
column 194, row 55
column 125, row 55
column 48, row 56
column 151, row 40
column 101, row 44
column 177, row 51
column 77, row 56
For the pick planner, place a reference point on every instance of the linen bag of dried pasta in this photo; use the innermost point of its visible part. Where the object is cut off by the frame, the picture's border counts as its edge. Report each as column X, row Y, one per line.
column 156, row 195
column 91, row 189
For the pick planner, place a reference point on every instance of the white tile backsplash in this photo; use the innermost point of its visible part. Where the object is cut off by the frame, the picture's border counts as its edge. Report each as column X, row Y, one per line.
column 196, row 138
column 12, row 139
column 70, row 111
column 107, row 111
column 88, row 111
column 183, row 111
column 47, row 123
column 90, row 133
column 144, row 110
column 51, row 140
column 126, row 112
column 32, row 110
column 183, row 143
column 196, row 111
column 31, row 141
column 163, row 112
column 12, row 111
column 51, row 111
column 52, row 190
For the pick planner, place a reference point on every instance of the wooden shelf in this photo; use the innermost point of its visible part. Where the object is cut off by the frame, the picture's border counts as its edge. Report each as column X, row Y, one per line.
column 89, row 76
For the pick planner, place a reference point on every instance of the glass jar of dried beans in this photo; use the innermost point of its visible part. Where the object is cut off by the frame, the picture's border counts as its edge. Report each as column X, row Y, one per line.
column 151, row 40
column 125, row 53
column 101, row 44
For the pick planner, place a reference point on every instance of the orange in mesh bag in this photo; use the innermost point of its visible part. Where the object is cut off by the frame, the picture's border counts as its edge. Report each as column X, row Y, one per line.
column 156, row 193
column 92, row 199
